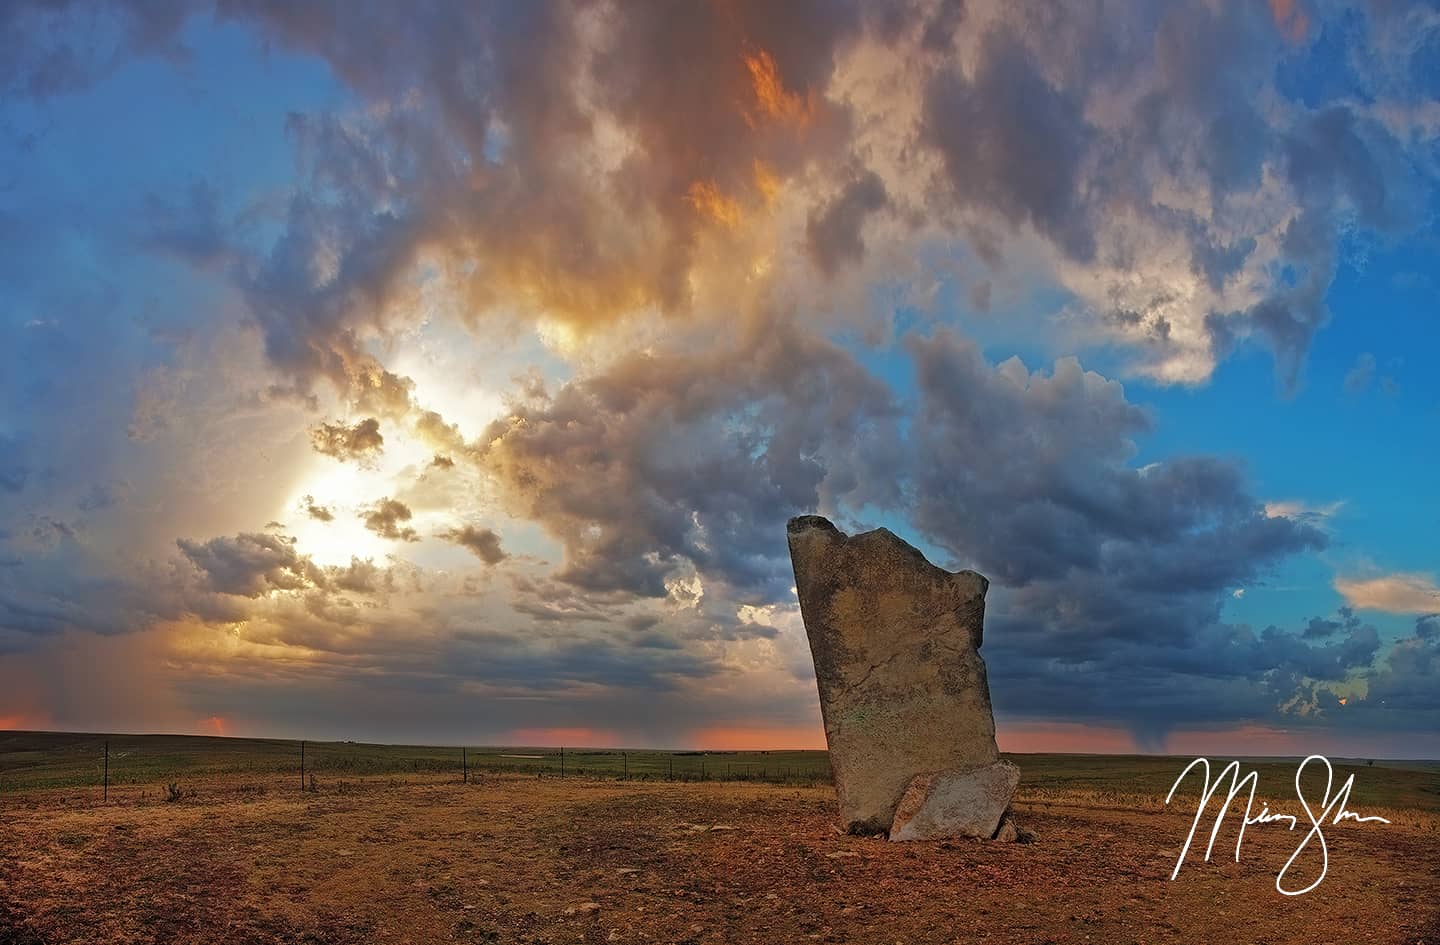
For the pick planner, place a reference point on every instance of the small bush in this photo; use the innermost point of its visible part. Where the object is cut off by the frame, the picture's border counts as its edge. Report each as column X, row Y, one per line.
column 173, row 792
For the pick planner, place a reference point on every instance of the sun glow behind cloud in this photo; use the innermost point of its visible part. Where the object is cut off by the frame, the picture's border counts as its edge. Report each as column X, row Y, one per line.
column 700, row 299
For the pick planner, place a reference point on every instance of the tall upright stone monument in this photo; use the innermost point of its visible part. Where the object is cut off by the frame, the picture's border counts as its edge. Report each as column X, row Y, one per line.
column 903, row 692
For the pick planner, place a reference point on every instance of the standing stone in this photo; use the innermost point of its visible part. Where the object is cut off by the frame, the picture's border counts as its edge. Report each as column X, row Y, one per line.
column 896, row 646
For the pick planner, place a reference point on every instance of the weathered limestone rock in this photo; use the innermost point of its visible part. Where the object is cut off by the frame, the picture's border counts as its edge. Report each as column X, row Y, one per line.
column 896, row 646
column 956, row 803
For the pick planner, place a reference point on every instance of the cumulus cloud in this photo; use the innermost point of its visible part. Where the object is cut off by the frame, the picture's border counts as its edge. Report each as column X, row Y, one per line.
column 555, row 164
column 713, row 222
column 1394, row 593
column 387, row 518
column 321, row 513
column 362, row 441
column 484, row 543
column 1308, row 512
column 250, row 564
column 1028, row 476
column 666, row 460
column 833, row 232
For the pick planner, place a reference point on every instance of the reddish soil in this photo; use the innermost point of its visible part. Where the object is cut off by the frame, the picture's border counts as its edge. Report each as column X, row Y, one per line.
column 515, row 859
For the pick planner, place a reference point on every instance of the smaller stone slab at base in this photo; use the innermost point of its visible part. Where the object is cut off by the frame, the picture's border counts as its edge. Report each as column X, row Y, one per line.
column 966, row 802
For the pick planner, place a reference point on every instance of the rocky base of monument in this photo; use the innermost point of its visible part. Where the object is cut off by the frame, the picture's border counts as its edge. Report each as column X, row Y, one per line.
column 969, row 802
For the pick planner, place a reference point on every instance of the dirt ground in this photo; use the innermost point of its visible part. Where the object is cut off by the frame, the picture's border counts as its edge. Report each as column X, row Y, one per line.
column 521, row 859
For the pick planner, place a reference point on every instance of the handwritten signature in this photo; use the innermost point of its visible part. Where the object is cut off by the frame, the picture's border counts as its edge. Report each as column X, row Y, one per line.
column 1330, row 806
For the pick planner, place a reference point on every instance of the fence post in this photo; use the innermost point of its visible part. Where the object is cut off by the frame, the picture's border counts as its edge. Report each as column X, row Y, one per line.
column 106, row 795
column 302, row 766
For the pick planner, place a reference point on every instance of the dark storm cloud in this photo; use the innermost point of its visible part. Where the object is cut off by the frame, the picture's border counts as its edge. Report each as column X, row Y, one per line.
column 1402, row 691
column 1014, row 143
column 1114, row 572
column 833, row 232
column 551, row 601
column 1323, row 628
column 387, row 519
column 671, row 458
column 361, row 441
column 1207, row 674
column 484, row 543
column 1028, row 476
column 249, row 565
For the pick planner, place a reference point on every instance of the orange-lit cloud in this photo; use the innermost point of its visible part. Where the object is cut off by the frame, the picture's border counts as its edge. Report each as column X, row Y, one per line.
column 766, row 181
column 1393, row 593
column 1290, row 19
column 713, row 205
column 632, row 237
column 775, row 102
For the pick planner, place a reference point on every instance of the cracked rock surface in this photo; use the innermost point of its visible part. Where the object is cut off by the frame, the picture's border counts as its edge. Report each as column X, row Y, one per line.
column 957, row 803
column 896, row 646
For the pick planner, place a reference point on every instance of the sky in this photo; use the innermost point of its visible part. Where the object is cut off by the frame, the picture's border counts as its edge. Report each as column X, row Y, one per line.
column 447, row 372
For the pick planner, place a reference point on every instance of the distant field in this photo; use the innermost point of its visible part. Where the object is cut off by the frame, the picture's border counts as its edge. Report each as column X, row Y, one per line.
column 39, row 760
column 1144, row 780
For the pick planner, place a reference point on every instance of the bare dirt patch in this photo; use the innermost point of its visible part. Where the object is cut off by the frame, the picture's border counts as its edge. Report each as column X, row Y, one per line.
column 521, row 859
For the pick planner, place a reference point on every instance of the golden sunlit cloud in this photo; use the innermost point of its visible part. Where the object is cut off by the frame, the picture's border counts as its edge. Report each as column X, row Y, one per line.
column 1393, row 593
column 775, row 101
column 709, row 202
column 766, row 182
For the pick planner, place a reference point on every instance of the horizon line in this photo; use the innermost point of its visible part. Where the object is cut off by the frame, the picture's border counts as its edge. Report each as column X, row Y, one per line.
column 623, row 748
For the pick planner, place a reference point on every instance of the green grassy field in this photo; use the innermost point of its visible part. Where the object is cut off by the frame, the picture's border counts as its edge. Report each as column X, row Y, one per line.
column 39, row 760
column 1392, row 784
column 36, row 760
